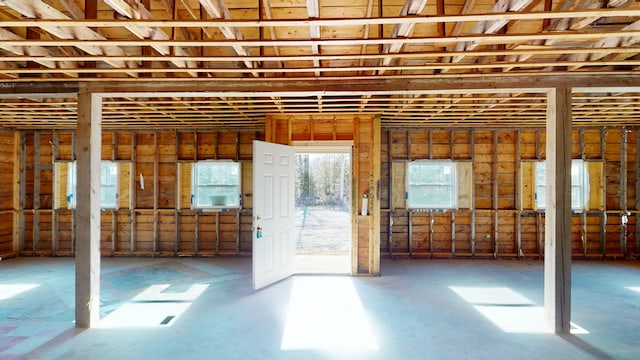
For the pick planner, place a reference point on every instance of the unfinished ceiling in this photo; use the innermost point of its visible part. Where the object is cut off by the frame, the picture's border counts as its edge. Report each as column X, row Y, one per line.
column 295, row 44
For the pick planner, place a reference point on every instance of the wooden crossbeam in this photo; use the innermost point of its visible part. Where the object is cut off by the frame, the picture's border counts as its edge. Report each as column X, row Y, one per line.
column 355, row 21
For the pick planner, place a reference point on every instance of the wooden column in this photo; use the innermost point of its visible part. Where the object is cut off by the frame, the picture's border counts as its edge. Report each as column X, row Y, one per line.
column 374, row 237
column 557, row 259
column 87, row 250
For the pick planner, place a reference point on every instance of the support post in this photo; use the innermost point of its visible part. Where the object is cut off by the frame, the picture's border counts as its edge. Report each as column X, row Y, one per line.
column 88, row 209
column 557, row 260
column 374, row 234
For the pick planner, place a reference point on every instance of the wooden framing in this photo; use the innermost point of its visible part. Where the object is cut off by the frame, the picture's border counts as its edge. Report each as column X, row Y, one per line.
column 557, row 264
column 443, row 80
column 364, row 131
column 88, row 211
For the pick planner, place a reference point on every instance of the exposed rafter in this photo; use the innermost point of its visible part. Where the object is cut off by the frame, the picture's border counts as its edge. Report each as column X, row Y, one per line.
column 208, row 63
column 491, row 26
column 137, row 10
column 40, row 10
column 217, row 10
column 410, row 8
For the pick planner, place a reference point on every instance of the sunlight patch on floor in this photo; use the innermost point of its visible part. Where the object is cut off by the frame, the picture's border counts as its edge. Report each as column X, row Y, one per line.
column 326, row 314
column 508, row 310
column 10, row 290
column 322, row 264
column 155, row 306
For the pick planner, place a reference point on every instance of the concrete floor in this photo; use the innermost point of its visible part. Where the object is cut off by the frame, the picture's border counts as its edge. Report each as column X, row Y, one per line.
column 418, row 309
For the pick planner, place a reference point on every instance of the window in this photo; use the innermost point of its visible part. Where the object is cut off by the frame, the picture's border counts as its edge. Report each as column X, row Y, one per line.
column 108, row 184
column 579, row 185
column 431, row 184
column 216, row 184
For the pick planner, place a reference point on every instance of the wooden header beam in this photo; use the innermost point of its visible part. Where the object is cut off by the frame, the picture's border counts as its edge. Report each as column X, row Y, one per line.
column 509, row 16
column 303, row 87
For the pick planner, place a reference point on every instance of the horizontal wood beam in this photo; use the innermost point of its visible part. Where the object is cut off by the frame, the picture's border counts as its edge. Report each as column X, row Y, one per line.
column 486, row 39
column 303, row 87
column 510, row 16
column 401, row 55
column 434, row 66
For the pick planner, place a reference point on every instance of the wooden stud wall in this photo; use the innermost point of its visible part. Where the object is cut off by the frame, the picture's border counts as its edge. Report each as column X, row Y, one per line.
column 153, row 217
column 160, row 222
column 364, row 131
column 498, row 223
column 7, row 154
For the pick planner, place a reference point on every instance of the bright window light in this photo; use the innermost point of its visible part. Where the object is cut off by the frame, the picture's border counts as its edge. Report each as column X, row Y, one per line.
column 216, row 184
column 634, row 288
column 10, row 290
column 579, row 185
column 431, row 184
column 325, row 314
column 155, row 306
column 508, row 310
column 108, row 184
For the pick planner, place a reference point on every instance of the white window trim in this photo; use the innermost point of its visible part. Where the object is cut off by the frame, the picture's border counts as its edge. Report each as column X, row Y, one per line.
column 453, row 185
column 194, row 186
column 72, row 180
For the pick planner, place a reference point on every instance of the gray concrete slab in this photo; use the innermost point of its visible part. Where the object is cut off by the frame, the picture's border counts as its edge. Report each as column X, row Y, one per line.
column 418, row 309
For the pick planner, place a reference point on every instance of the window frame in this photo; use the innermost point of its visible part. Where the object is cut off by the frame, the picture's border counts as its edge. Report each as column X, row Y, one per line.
column 452, row 185
column 582, row 185
column 72, row 181
column 115, row 186
column 196, row 204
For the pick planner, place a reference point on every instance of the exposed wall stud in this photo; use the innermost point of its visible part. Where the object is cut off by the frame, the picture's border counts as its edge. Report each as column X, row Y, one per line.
column 603, row 216
column 156, row 185
column 623, row 191
column 114, row 212
column 473, row 210
column 637, row 199
column 217, row 233
column 391, row 205
column 54, row 214
column 20, row 188
column 36, row 193
column 494, row 175
column 453, row 213
column 136, row 177
column 583, row 214
column 518, row 199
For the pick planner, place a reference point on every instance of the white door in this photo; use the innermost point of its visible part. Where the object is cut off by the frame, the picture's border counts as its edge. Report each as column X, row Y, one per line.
column 273, row 212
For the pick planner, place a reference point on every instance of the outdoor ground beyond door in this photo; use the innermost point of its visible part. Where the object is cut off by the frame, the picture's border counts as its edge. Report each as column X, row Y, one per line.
column 323, row 212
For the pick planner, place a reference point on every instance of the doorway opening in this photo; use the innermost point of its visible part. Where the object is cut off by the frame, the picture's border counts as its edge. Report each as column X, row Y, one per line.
column 323, row 210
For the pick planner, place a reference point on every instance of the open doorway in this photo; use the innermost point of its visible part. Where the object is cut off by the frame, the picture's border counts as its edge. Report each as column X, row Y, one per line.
column 323, row 210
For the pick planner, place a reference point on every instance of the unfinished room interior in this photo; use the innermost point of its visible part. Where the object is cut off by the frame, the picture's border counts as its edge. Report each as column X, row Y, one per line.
column 319, row 179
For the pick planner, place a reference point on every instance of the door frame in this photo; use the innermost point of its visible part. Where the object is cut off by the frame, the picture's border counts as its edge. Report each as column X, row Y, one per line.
column 337, row 147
